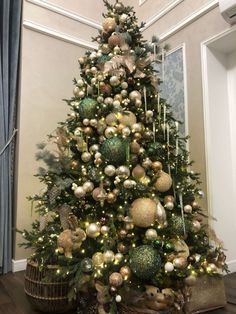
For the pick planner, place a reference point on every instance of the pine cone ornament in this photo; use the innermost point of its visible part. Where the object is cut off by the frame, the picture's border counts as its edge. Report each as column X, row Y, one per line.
column 53, row 193
column 64, row 212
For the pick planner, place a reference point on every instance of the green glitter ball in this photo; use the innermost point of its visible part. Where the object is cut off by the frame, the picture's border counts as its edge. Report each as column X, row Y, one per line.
column 177, row 226
column 145, row 261
column 87, row 108
column 114, row 150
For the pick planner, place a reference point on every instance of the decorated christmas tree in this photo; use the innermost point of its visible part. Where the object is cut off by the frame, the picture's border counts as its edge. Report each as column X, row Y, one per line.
column 120, row 215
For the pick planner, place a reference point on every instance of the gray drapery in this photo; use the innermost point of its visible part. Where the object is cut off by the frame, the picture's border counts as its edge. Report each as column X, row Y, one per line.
column 10, row 24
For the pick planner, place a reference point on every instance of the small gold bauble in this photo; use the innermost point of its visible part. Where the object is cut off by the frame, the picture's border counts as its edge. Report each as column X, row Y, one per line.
column 145, row 180
column 122, row 234
column 114, row 80
column 151, row 234
column 109, row 24
column 110, row 170
column 110, row 132
column 95, row 193
column 122, row 248
column 188, row 209
column 196, row 226
column 156, row 166
column 108, row 256
column 143, row 212
column 111, row 119
column 111, row 198
column 125, row 272
column 105, row 48
column 97, row 259
column 93, row 230
column 79, row 192
column 180, row 262
column 128, row 118
column 169, row 198
column 74, row 165
column 88, row 186
column 135, row 95
column 104, row 230
column 137, row 136
column 163, row 182
column 118, row 257
column 134, row 147
column 88, row 131
column 86, row 156
column 195, row 205
column 115, row 279
column 138, row 172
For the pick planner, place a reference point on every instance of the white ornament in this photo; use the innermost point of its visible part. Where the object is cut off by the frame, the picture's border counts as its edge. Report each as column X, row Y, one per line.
column 169, row 267
column 79, row 192
column 93, row 230
column 118, row 298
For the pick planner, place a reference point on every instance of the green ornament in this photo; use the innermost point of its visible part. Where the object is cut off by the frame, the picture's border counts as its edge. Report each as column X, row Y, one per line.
column 87, row 108
column 115, row 150
column 177, row 225
column 103, row 59
column 87, row 265
column 145, row 261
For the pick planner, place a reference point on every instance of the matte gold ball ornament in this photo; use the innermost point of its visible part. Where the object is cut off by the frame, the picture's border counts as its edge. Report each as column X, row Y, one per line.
column 110, row 170
column 156, row 166
column 79, row 192
column 108, row 256
column 151, row 234
column 138, row 172
column 97, row 259
column 93, row 230
column 128, row 118
column 163, row 182
column 143, row 212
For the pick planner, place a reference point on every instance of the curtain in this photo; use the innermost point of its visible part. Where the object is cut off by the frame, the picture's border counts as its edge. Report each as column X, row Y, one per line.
column 10, row 25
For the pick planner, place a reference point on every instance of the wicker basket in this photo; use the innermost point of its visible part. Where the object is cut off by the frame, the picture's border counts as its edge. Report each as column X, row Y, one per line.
column 44, row 296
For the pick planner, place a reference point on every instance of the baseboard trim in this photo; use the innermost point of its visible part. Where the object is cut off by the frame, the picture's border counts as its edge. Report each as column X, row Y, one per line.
column 232, row 266
column 18, row 265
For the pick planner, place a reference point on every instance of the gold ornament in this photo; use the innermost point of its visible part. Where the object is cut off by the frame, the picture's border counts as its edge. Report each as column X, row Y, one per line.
column 180, row 262
column 110, row 132
column 138, row 172
column 163, row 182
column 156, row 166
column 128, row 118
column 96, row 193
column 86, row 156
column 111, row 119
column 123, row 172
column 147, row 163
column 122, row 248
column 93, row 230
column 188, row 209
column 115, row 279
column 88, row 186
column 111, row 198
column 134, row 147
column 181, row 248
column 143, row 212
column 118, row 258
column 169, row 198
column 110, row 170
column 114, row 40
column 151, row 234
column 104, row 230
column 196, row 226
column 97, row 259
column 108, row 256
column 79, row 192
column 109, row 24
column 74, row 165
column 125, row 272
column 161, row 214
column 145, row 180
column 114, row 80
column 134, row 95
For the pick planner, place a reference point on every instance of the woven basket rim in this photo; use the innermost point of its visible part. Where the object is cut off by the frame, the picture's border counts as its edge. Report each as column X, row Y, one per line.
column 35, row 264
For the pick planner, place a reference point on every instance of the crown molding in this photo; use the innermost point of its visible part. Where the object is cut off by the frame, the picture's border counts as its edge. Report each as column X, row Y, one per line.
column 160, row 14
column 59, row 35
column 189, row 19
column 69, row 14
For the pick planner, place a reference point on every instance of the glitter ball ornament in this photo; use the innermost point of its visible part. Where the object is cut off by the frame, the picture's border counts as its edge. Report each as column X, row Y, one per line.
column 87, row 108
column 143, row 212
column 114, row 150
column 109, row 24
column 87, row 265
column 114, row 40
column 163, row 182
column 177, row 225
column 145, row 261
column 115, row 279
column 125, row 272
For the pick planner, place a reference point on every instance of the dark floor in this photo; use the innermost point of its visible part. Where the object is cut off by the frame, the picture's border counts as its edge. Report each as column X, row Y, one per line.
column 13, row 300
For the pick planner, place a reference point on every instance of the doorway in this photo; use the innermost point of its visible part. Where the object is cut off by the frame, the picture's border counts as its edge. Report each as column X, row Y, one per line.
column 219, row 100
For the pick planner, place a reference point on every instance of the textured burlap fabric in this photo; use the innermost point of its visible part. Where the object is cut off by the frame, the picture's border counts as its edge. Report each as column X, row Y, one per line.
column 207, row 294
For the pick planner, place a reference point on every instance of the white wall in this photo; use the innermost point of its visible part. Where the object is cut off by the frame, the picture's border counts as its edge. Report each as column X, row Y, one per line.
column 219, row 83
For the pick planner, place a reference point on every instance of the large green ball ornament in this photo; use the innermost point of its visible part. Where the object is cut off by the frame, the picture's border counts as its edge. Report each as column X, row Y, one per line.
column 145, row 261
column 114, row 150
column 87, row 108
